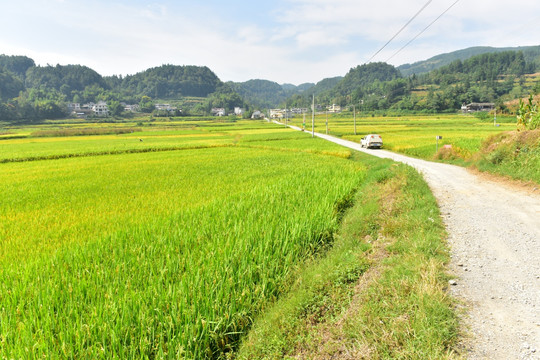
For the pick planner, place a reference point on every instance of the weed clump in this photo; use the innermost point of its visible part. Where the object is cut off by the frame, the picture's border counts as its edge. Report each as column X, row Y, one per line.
column 515, row 153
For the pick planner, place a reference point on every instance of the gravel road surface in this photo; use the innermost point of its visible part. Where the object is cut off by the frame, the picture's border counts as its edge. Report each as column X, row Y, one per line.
column 494, row 237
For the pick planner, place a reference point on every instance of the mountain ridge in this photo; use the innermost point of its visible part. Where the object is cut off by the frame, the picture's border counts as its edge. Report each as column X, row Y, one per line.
column 531, row 53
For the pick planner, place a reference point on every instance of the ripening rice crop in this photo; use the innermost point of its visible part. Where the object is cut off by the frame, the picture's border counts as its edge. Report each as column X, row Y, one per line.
column 160, row 254
column 414, row 135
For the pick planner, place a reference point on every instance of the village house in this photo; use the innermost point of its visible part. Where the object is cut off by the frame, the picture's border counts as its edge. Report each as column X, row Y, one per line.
column 334, row 108
column 299, row 111
column 165, row 107
column 238, row 111
column 257, row 114
column 101, row 109
column 218, row 112
column 131, row 108
column 474, row 107
column 74, row 107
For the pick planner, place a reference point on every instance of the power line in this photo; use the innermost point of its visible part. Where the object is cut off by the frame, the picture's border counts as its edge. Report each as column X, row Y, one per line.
column 404, row 26
column 421, row 32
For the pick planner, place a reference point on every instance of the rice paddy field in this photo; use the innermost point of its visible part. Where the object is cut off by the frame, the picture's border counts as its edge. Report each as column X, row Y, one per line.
column 414, row 135
column 163, row 242
column 165, row 239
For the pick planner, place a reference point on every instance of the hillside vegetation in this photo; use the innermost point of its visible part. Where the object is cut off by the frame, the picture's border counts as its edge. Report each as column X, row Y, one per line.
column 29, row 92
column 513, row 154
column 265, row 94
column 493, row 77
column 532, row 54
column 34, row 93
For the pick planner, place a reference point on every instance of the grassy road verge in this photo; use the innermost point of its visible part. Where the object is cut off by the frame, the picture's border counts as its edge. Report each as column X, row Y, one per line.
column 379, row 292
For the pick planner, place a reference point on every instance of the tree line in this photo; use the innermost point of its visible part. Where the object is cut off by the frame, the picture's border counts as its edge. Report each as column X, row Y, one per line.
column 491, row 77
column 32, row 93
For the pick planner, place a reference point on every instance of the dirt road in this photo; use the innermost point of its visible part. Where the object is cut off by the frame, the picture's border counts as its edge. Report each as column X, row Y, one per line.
column 494, row 237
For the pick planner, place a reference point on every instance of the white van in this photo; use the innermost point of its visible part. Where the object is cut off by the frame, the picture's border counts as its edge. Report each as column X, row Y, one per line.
column 371, row 141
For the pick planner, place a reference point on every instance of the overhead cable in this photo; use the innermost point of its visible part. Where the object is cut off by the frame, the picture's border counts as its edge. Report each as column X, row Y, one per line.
column 421, row 32
column 404, row 26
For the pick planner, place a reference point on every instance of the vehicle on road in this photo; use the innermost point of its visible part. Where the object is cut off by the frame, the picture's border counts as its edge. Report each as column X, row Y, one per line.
column 371, row 141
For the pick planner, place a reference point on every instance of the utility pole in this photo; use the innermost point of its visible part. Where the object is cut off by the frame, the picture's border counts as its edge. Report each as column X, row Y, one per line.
column 326, row 121
column 495, row 118
column 354, row 115
column 313, row 118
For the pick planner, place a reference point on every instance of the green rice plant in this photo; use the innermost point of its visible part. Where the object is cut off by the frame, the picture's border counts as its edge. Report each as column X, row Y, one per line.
column 165, row 137
column 159, row 254
column 83, row 131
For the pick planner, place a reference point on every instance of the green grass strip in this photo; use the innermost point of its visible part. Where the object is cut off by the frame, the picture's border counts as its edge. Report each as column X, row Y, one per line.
column 379, row 293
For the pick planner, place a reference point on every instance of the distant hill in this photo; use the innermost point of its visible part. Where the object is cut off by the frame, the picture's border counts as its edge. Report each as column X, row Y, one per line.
column 364, row 75
column 531, row 53
column 10, row 85
column 64, row 78
column 45, row 90
column 323, row 86
column 356, row 84
column 172, row 82
column 260, row 93
column 293, row 89
column 18, row 65
column 266, row 93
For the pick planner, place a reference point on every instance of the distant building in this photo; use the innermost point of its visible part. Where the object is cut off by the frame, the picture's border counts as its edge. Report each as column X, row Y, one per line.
column 276, row 113
column 132, row 108
column 74, row 107
column 101, row 109
column 88, row 106
column 299, row 110
column 166, row 107
column 218, row 112
column 334, row 108
column 257, row 115
column 238, row 111
column 474, row 107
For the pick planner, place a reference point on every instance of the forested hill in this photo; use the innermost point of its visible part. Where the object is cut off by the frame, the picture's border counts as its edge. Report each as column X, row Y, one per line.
column 35, row 92
column 531, row 54
column 18, row 65
column 169, row 82
column 68, row 79
column 363, row 76
column 361, row 82
column 265, row 93
column 261, row 93
column 491, row 77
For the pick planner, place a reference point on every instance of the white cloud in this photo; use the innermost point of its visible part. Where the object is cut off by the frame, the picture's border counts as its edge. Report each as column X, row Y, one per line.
column 295, row 41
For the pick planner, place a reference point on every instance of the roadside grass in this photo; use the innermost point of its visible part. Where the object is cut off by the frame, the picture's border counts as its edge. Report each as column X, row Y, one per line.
column 511, row 154
column 379, row 292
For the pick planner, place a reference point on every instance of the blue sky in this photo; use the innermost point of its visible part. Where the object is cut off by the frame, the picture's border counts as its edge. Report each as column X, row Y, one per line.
column 287, row 41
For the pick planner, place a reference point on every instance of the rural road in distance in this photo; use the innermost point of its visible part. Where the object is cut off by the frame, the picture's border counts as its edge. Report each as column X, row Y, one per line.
column 494, row 239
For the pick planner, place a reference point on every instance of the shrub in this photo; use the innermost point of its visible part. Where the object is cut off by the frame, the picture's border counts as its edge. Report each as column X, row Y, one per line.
column 528, row 117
